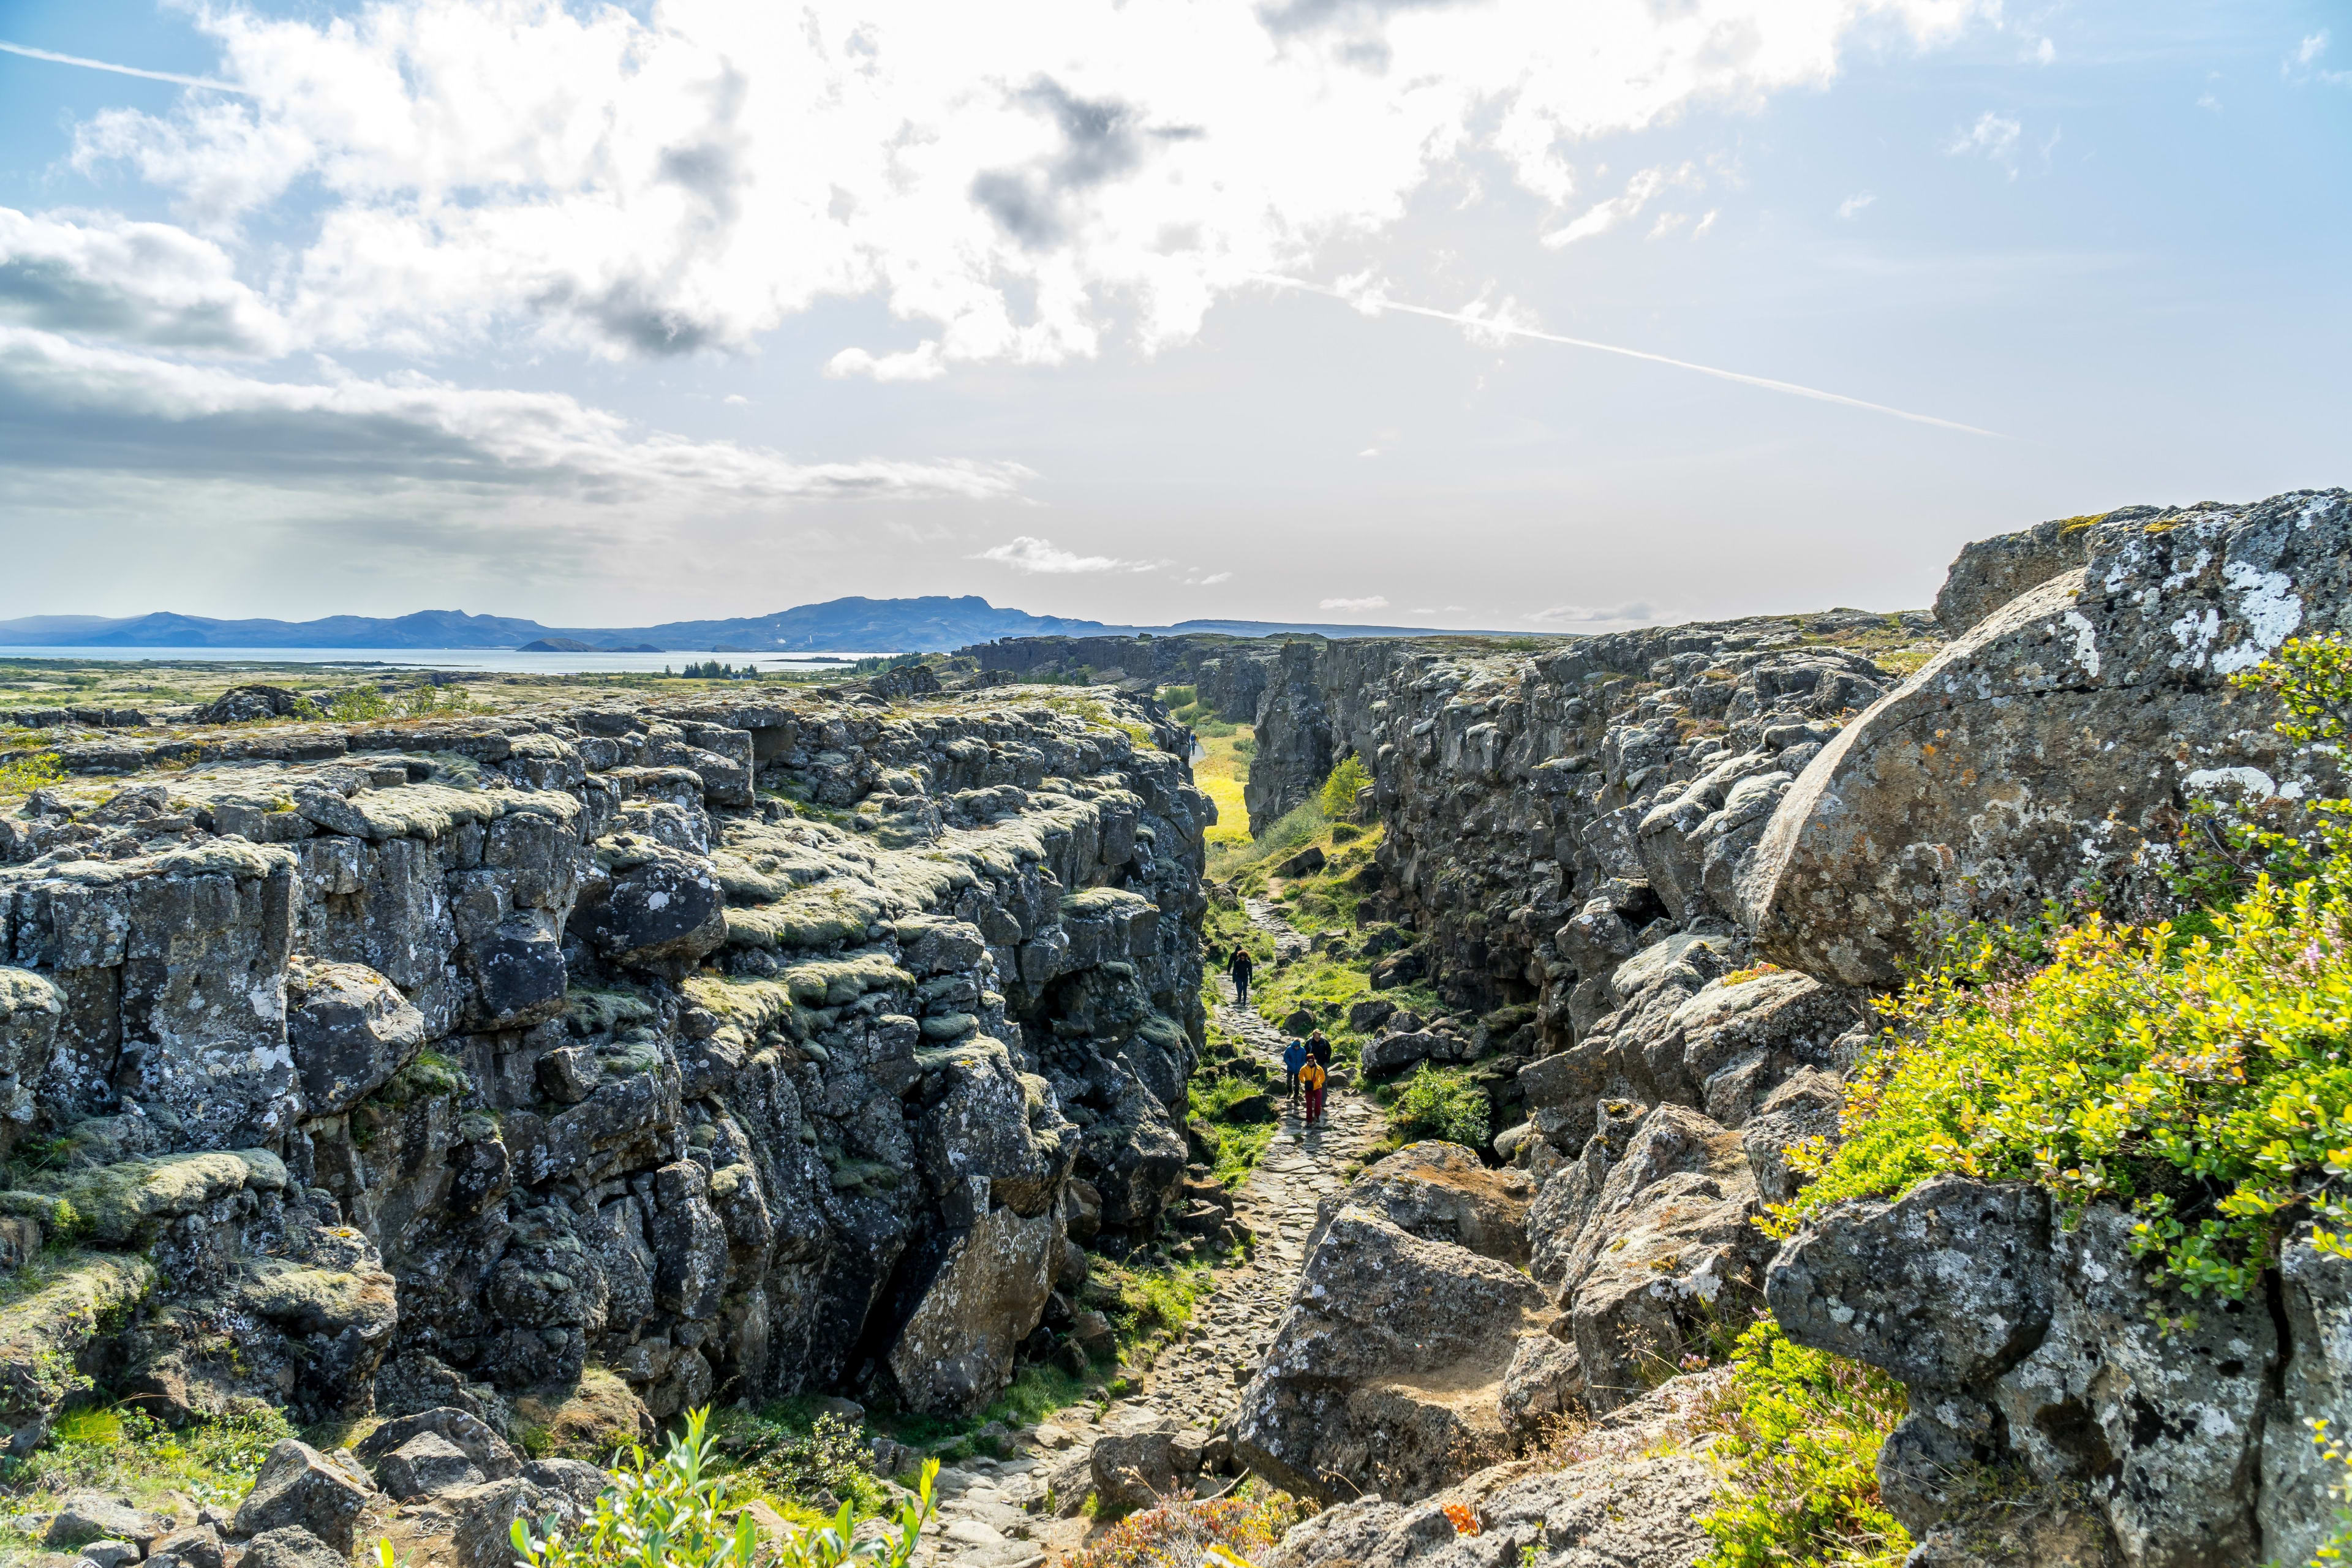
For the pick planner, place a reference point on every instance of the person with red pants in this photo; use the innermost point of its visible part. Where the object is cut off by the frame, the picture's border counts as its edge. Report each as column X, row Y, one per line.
column 1313, row 1077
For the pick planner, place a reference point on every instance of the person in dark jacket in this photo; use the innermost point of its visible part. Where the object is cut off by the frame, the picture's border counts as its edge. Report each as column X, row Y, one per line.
column 1320, row 1049
column 1240, row 970
column 1295, row 1056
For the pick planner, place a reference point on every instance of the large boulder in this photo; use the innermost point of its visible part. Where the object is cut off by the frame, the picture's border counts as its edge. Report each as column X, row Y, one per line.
column 1663, row 1248
column 350, row 1030
column 1988, row 574
column 1634, row 1501
column 246, row 705
column 297, row 1485
column 1990, row 780
column 1386, row 1373
column 468, row 1432
column 654, row 907
column 85, row 1517
column 1442, row 1192
column 955, row 1353
column 2047, row 1350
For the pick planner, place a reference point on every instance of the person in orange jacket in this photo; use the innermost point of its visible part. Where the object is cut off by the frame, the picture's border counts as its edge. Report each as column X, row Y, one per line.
column 1314, row 1077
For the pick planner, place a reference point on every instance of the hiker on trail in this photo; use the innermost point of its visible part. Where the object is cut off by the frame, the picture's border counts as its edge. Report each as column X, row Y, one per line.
column 1313, row 1077
column 1295, row 1056
column 1320, row 1049
column 1240, row 970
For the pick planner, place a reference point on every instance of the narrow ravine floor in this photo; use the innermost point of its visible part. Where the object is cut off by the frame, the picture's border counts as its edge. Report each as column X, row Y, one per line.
column 992, row 1513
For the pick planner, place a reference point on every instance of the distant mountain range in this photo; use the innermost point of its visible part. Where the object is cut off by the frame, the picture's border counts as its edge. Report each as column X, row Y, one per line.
column 933, row 624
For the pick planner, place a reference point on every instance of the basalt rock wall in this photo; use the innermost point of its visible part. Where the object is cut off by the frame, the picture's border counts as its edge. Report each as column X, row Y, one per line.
column 732, row 1047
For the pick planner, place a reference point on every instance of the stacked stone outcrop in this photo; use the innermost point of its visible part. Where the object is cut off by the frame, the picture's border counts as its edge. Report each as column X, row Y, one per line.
column 730, row 1047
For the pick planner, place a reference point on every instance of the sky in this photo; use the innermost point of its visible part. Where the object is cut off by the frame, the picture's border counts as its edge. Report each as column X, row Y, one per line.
column 1492, row 313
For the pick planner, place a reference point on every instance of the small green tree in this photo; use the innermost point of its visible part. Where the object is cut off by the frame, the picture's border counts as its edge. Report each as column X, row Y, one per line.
column 671, row 1513
column 1339, row 789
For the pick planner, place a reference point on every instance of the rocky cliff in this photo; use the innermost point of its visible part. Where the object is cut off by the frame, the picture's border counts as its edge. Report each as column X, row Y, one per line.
column 1688, row 858
column 732, row 1048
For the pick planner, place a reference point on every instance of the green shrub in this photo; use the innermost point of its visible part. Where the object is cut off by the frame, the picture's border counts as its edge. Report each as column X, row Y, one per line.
column 1801, row 1435
column 24, row 774
column 810, row 1462
column 1441, row 1103
column 125, row 1451
column 2198, row 1080
column 669, row 1513
column 1142, row 1300
column 1340, row 790
column 359, row 705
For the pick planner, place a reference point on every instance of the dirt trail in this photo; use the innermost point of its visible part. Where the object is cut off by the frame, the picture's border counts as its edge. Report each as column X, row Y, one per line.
column 992, row 1511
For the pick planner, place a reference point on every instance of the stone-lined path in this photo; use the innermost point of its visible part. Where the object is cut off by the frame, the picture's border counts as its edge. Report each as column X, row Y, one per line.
column 992, row 1513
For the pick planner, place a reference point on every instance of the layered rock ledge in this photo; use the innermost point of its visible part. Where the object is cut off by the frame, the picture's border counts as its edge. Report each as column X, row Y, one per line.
column 734, row 1047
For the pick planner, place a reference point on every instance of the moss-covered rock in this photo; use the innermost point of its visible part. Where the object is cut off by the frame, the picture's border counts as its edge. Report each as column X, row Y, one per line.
column 45, row 1332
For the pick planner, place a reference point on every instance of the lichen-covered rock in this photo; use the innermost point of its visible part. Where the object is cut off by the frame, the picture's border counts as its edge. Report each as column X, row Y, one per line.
column 1634, row 1502
column 427, row 1463
column 1990, row 781
column 1804, row 1108
column 2315, row 1294
column 85, row 1517
column 297, row 1485
column 1386, row 1372
column 1948, row 1288
column 45, row 1334
column 1441, row 1192
column 652, row 904
column 1665, row 1246
column 2046, row 1351
column 291, row 1546
column 955, row 1350
column 1990, row 573
column 467, row 1433
column 350, row 1030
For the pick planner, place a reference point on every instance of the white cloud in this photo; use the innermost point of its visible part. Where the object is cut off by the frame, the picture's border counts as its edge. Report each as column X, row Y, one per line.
column 1704, row 224
column 921, row 363
column 1026, row 553
column 1214, row 578
column 1995, row 136
column 2208, row 102
column 1667, row 224
column 1602, row 216
column 2311, row 49
column 1591, row 614
column 70, row 405
column 2044, row 51
column 1375, row 602
column 1855, row 203
column 1020, row 185
column 141, row 282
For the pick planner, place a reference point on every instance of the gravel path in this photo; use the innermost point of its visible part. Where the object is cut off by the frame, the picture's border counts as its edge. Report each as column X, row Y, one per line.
column 992, row 1511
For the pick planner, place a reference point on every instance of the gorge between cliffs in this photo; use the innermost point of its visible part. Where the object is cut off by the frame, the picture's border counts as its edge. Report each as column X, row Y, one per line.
column 454, row 1098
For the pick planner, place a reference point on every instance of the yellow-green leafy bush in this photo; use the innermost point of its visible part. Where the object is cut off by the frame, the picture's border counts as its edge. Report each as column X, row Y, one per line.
column 1801, row 1435
column 1339, row 789
column 24, row 774
column 672, row 1512
column 1441, row 1103
column 2197, row 1077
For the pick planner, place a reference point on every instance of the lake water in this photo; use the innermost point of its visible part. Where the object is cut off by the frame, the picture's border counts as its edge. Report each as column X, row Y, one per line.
column 487, row 659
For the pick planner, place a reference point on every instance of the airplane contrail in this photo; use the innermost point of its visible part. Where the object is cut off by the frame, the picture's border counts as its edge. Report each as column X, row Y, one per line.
column 1488, row 324
column 31, row 53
